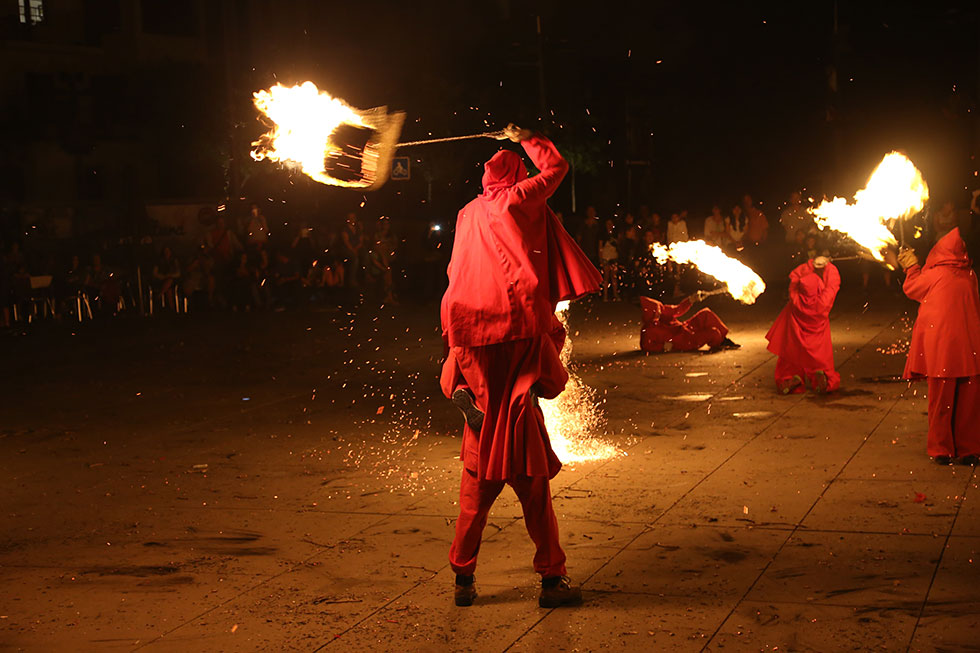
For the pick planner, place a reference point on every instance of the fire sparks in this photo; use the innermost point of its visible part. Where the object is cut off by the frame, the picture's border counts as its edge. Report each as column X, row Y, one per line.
column 894, row 191
column 306, row 134
column 742, row 282
column 573, row 418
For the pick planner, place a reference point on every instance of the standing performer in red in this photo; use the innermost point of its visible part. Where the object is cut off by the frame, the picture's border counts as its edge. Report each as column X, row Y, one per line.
column 663, row 331
column 512, row 262
column 945, row 346
column 800, row 336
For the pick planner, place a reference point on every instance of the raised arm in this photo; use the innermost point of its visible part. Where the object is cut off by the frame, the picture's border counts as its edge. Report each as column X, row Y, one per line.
column 918, row 282
column 552, row 165
column 676, row 310
column 831, row 284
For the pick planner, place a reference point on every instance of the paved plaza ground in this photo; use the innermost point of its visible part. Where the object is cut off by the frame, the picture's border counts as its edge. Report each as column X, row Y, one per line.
column 288, row 482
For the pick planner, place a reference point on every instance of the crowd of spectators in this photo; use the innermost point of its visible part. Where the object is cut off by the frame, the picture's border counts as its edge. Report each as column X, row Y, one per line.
column 248, row 268
column 620, row 247
column 245, row 265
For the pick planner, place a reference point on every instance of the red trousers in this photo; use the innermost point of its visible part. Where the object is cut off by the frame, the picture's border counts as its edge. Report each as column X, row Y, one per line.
column 954, row 416
column 475, row 499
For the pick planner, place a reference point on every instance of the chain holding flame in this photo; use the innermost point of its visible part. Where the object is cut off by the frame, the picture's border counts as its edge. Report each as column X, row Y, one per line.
column 740, row 280
column 573, row 417
column 895, row 191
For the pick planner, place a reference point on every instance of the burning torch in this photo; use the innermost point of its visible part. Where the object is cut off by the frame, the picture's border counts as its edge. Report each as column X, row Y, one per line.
column 894, row 192
column 332, row 142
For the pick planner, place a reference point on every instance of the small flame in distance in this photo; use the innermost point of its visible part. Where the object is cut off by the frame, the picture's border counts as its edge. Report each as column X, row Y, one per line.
column 742, row 282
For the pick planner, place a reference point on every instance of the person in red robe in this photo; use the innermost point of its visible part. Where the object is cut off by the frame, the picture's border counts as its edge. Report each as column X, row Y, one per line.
column 800, row 336
column 664, row 331
column 512, row 262
column 945, row 346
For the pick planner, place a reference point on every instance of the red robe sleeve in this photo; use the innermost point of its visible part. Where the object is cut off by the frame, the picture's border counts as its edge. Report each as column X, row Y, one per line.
column 676, row 310
column 552, row 166
column 831, row 284
column 918, row 282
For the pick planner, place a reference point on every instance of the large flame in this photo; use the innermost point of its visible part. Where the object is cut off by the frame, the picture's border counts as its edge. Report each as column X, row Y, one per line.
column 304, row 118
column 742, row 282
column 894, row 191
column 573, row 418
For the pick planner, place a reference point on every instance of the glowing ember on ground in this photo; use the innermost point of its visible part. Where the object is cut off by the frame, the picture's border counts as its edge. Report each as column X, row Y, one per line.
column 573, row 419
column 742, row 283
column 894, row 191
column 304, row 118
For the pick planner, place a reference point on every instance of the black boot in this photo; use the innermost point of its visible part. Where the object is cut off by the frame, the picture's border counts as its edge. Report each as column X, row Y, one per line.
column 463, row 400
column 465, row 590
column 557, row 591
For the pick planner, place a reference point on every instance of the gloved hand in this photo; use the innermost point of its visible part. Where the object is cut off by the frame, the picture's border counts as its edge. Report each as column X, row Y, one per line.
column 515, row 133
column 907, row 258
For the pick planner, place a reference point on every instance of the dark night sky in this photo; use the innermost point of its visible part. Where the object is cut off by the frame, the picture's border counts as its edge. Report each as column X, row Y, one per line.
column 721, row 98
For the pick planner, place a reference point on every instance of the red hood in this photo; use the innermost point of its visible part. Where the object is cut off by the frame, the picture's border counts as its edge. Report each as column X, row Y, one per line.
column 503, row 170
column 950, row 250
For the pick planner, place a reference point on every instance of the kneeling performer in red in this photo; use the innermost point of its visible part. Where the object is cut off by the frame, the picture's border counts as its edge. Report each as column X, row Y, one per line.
column 663, row 331
column 800, row 336
column 945, row 346
column 512, row 262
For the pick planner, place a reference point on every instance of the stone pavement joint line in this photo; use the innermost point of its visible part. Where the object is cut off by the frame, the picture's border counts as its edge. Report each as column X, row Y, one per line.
column 939, row 560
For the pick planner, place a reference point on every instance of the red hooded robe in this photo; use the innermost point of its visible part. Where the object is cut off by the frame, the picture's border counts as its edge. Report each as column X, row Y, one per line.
column 946, row 336
column 800, row 336
column 663, row 330
column 512, row 262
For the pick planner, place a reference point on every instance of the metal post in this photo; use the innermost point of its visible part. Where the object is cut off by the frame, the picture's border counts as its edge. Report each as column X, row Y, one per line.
column 139, row 289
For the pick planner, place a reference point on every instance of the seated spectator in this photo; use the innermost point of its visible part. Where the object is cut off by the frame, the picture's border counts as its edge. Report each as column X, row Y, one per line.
column 715, row 232
column 757, row 230
column 198, row 282
column 800, row 248
column 242, row 280
column 102, row 286
column 735, row 227
column 794, row 218
column 331, row 264
column 166, row 274
column 304, row 247
column 656, row 227
column 380, row 259
column 609, row 258
column 221, row 245
column 75, row 276
column 333, row 275
column 257, row 230
column 676, row 229
column 649, row 273
column 288, row 281
column 629, row 249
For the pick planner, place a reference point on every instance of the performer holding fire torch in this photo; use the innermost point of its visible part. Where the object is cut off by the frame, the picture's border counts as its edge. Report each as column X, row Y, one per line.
column 512, row 262
column 945, row 346
column 663, row 331
column 800, row 336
